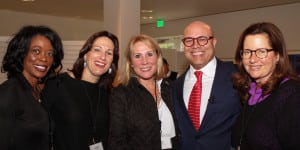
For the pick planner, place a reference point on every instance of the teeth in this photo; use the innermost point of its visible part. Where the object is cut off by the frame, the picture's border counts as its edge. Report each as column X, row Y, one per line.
column 40, row 67
column 100, row 64
column 254, row 67
column 145, row 69
column 197, row 53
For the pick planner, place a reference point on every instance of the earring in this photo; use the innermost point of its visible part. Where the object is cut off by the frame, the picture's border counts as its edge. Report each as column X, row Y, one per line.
column 84, row 59
column 109, row 71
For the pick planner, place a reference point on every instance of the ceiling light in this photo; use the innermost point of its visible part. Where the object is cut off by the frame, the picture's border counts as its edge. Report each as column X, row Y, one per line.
column 147, row 17
column 28, row 0
column 146, row 11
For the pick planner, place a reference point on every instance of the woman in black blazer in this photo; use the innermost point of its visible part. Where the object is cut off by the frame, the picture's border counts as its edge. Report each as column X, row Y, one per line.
column 141, row 110
column 32, row 55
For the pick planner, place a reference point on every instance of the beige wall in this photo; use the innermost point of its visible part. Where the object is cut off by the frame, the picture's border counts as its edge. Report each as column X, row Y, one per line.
column 69, row 29
column 228, row 26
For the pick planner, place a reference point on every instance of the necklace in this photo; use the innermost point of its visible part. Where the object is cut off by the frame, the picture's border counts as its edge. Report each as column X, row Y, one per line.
column 36, row 91
column 93, row 113
column 157, row 94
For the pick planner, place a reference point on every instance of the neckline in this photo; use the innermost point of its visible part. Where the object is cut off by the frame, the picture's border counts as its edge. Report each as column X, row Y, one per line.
column 93, row 113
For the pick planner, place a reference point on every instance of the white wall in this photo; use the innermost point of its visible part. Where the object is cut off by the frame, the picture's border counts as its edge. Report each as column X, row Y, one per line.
column 68, row 29
column 71, row 51
column 228, row 26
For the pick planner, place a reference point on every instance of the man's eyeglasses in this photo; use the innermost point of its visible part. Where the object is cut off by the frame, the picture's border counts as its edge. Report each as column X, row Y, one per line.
column 202, row 40
column 259, row 53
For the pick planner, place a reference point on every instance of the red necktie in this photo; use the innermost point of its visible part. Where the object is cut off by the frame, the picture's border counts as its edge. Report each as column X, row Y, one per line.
column 195, row 101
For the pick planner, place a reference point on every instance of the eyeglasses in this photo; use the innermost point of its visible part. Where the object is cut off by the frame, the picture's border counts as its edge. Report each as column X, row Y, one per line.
column 259, row 53
column 202, row 40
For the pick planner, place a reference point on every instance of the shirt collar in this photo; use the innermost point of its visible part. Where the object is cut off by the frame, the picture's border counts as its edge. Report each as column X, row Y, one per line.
column 208, row 70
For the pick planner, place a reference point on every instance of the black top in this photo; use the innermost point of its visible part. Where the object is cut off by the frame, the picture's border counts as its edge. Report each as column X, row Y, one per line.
column 73, row 104
column 24, row 124
column 173, row 76
column 135, row 123
column 273, row 124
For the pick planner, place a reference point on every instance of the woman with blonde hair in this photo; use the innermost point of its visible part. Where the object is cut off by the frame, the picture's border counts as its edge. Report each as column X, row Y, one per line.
column 141, row 110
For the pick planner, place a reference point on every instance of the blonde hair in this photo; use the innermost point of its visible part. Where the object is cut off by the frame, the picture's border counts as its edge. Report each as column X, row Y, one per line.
column 125, row 71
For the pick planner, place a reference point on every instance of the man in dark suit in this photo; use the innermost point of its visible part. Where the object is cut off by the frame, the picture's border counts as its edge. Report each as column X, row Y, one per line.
column 207, row 126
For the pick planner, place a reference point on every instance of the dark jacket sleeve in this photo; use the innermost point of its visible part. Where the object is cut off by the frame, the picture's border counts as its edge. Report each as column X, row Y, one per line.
column 117, row 133
column 7, row 120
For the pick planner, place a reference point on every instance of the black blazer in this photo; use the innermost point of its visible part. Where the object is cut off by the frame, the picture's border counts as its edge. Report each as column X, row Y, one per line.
column 24, row 123
column 134, row 118
column 222, row 111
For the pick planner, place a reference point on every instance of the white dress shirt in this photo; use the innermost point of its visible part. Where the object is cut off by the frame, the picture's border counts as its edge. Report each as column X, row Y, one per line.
column 167, row 123
column 207, row 80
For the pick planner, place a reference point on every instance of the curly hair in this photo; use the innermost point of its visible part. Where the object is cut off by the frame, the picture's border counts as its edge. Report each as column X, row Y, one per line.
column 19, row 45
column 107, row 78
column 282, row 70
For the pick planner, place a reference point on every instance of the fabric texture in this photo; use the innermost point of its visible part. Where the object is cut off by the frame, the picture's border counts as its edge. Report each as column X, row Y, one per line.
column 195, row 101
column 24, row 123
column 72, row 111
column 135, row 124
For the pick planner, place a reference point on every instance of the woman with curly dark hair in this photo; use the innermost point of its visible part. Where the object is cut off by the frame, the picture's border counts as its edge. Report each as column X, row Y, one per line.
column 78, row 99
column 269, row 90
column 32, row 55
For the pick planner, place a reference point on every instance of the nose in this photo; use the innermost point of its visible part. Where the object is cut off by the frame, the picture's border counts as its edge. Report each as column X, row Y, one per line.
column 103, row 55
column 43, row 56
column 253, row 56
column 144, row 60
column 195, row 43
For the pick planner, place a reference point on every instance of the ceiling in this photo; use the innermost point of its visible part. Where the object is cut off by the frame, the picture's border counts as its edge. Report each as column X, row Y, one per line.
column 162, row 9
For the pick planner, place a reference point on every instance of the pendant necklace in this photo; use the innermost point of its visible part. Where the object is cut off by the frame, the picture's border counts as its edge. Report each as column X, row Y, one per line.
column 93, row 115
column 36, row 91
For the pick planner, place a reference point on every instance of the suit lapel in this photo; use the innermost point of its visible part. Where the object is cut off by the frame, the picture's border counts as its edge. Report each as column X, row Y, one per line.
column 216, row 92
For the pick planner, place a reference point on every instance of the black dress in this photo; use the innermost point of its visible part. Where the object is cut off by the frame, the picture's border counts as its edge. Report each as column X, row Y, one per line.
column 24, row 123
column 73, row 104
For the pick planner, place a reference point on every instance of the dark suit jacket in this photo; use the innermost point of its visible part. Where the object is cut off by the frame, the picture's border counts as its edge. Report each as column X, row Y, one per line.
column 222, row 111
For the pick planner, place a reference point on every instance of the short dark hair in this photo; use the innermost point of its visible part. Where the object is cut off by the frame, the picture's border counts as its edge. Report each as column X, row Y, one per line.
column 19, row 45
column 165, row 61
column 107, row 78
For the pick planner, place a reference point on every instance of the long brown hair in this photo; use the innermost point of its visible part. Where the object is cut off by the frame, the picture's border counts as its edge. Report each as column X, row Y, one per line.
column 107, row 78
column 282, row 70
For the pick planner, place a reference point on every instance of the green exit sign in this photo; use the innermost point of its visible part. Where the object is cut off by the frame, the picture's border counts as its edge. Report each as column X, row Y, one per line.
column 160, row 23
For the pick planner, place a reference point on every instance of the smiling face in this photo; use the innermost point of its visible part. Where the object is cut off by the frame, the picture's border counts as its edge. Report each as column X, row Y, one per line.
column 260, row 69
column 38, row 60
column 198, row 55
column 98, row 59
column 144, row 61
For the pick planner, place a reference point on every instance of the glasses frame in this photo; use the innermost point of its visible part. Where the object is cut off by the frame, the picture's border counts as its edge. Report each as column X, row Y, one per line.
column 255, row 52
column 207, row 38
